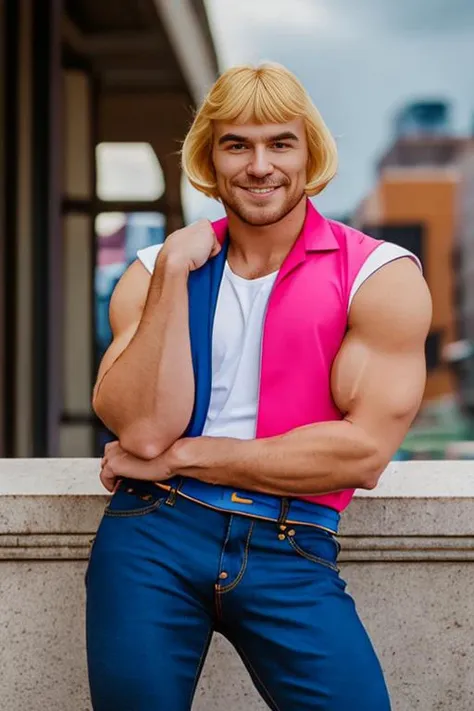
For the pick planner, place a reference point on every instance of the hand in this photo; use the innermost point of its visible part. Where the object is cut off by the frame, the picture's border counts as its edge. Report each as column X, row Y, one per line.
column 117, row 463
column 191, row 246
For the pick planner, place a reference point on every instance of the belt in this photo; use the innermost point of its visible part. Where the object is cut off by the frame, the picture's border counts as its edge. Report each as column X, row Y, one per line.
column 254, row 504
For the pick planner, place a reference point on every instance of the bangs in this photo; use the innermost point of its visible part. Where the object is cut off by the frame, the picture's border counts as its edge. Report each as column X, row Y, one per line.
column 257, row 99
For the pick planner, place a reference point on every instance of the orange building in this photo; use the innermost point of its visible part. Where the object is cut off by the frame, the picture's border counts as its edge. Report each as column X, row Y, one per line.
column 418, row 203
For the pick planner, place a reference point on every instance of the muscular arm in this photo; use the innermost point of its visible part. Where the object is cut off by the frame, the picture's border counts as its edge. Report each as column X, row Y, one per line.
column 378, row 381
column 144, row 391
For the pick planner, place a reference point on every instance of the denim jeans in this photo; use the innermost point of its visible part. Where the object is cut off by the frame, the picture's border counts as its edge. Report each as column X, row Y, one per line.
column 165, row 573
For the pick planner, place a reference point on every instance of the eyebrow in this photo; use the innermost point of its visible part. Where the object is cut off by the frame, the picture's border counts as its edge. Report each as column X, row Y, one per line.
column 235, row 138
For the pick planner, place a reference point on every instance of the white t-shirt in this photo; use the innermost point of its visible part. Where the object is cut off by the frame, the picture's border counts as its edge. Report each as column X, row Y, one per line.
column 237, row 340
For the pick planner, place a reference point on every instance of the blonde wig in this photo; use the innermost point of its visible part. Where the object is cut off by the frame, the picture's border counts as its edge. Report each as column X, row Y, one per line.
column 265, row 94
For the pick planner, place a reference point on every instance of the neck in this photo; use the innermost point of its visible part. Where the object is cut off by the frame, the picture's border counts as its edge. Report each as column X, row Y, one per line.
column 268, row 244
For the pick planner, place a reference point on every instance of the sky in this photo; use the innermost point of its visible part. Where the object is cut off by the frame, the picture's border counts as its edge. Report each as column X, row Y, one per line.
column 361, row 61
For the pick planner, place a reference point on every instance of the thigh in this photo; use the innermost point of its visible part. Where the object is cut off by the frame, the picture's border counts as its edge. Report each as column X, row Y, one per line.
column 148, row 626
column 299, row 632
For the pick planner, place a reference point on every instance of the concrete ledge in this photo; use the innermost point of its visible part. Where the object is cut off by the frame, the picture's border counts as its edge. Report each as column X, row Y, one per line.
column 406, row 553
column 412, row 499
column 401, row 480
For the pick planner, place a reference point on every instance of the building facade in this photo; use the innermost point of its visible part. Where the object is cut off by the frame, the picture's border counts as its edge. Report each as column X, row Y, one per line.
column 76, row 75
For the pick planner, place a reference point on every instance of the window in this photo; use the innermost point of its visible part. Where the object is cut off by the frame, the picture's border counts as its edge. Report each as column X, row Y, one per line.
column 128, row 171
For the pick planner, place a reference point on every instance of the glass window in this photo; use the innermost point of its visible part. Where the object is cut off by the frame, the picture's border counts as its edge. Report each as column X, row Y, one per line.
column 128, row 171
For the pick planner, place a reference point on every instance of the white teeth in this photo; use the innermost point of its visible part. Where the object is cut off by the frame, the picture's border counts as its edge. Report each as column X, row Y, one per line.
column 260, row 190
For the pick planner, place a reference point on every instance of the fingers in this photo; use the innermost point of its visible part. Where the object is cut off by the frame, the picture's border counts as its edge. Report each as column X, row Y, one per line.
column 117, row 484
column 216, row 248
column 108, row 478
column 108, row 451
column 110, row 446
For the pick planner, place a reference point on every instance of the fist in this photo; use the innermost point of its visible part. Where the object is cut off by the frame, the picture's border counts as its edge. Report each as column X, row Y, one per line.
column 192, row 246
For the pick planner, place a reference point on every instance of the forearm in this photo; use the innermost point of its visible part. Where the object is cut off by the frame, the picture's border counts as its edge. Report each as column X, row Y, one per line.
column 316, row 459
column 146, row 397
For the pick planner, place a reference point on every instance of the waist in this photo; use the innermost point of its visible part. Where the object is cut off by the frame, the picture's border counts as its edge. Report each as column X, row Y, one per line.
column 254, row 504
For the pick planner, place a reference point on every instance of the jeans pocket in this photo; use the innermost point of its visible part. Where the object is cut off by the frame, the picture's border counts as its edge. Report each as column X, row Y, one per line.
column 134, row 499
column 314, row 544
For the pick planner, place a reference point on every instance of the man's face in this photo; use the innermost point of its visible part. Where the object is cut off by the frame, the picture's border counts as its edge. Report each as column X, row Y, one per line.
column 260, row 169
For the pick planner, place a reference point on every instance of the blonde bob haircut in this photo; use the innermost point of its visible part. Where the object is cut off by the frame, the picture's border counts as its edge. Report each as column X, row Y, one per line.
column 265, row 94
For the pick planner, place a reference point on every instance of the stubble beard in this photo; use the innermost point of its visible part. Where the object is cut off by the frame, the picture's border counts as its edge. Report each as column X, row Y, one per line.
column 261, row 216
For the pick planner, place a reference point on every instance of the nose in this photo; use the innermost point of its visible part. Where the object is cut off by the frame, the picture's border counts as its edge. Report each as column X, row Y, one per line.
column 260, row 165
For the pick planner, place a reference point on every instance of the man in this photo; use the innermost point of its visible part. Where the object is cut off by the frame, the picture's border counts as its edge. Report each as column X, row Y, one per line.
column 262, row 369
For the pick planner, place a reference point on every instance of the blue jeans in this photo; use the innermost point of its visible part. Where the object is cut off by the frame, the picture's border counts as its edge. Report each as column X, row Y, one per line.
column 165, row 573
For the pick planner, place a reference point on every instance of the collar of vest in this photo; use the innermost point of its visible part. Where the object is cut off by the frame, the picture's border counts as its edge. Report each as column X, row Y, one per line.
column 316, row 236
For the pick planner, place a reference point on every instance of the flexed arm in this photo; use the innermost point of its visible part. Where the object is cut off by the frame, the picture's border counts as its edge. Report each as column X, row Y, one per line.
column 378, row 381
column 144, row 391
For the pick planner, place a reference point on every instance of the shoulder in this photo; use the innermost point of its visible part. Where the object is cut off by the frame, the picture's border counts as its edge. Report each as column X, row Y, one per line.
column 393, row 305
column 148, row 256
column 384, row 253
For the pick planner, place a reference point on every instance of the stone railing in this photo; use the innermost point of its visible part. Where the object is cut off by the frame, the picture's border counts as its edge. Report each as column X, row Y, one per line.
column 407, row 553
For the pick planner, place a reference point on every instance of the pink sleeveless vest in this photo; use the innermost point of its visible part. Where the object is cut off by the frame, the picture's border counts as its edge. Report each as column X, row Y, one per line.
column 304, row 327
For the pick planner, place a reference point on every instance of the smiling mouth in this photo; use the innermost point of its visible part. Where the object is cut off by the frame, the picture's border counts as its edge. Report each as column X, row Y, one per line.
column 262, row 191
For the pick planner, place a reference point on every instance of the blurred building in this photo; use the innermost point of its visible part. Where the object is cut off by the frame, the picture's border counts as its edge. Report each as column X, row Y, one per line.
column 422, row 200
column 423, row 118
column 76, row 77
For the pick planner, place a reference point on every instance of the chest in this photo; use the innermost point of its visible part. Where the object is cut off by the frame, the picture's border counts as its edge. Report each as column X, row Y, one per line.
column 238, row 322
column 293, row 321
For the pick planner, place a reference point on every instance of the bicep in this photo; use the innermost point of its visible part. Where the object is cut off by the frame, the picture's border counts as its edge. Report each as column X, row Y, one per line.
column 379, row 375
column 125, row 311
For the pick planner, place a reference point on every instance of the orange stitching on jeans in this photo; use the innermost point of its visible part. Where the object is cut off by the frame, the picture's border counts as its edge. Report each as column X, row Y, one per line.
column 311, row 557
column 139, row 511
column 129, row 513
column 221, row 560
column 231, row 586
